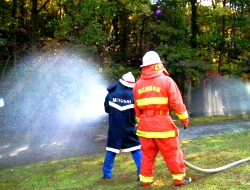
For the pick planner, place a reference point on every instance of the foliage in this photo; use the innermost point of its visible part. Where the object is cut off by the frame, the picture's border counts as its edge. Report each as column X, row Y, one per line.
column 184, row 63
column 228, row 41
column 113, row 72
column 115, row 34
column 171, row 27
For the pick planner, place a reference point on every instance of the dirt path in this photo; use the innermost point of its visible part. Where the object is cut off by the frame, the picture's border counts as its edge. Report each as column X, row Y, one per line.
column 215, row 129
column 75, row 143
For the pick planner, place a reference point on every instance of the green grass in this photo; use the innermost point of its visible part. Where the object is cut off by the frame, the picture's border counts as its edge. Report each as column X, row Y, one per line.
column 86, row 172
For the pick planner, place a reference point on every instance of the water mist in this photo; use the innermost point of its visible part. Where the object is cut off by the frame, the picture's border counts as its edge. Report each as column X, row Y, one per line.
column 49, row 102
column 222, row 96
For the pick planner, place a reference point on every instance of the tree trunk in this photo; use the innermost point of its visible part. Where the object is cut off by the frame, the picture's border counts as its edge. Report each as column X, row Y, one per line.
column 124, row 33
column 194, row 27
column 222, row 44
column 115, row 29
column 34, row 21
column 146, row 35
column 34, row 26
column 13, row 31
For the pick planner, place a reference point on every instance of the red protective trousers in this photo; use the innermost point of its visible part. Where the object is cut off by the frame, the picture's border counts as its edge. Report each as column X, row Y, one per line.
column 171, row 152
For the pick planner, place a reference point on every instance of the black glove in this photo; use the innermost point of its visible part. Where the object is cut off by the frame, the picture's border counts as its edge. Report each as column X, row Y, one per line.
column 185, row 127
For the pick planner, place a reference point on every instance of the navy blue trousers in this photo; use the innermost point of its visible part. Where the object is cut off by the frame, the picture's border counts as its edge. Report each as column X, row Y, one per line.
column 110, row 159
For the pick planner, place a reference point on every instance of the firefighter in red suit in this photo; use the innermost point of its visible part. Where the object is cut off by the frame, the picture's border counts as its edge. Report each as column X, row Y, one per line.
column 155, row 93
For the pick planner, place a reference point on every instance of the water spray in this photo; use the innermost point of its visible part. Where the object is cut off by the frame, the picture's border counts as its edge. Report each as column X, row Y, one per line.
column 1, row 102
column 50, row 100
column 54, row 91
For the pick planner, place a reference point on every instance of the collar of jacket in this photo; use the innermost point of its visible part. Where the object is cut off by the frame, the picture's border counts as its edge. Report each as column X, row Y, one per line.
column 153, row 71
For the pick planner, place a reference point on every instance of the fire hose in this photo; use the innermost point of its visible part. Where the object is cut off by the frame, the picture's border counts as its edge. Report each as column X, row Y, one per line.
column 214, row 170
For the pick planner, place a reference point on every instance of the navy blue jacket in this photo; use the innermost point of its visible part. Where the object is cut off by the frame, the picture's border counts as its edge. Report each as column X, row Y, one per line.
column 119, row 103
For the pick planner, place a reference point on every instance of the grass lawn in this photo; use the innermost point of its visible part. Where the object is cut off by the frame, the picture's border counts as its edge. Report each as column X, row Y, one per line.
column 86, row 172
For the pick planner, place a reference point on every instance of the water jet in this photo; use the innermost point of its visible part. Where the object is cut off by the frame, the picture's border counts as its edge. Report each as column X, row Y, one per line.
column 49, row 102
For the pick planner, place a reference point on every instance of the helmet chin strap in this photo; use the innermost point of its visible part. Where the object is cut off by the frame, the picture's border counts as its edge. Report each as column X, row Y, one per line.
column 128, row 81
column 165, row 72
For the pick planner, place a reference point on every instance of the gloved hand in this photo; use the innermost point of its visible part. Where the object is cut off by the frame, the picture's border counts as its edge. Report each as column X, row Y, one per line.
column 185, row 122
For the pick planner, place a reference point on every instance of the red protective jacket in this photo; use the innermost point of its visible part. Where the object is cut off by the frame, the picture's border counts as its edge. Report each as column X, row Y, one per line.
column 155, row 93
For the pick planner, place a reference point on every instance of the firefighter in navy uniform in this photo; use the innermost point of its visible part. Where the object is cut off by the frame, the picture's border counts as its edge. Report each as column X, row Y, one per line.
column 155, row 93
column 119, row 104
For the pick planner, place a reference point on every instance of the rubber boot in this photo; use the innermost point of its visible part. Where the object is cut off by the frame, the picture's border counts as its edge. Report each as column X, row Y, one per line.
column 182, row 182
column 137, row 156
column 108, row 164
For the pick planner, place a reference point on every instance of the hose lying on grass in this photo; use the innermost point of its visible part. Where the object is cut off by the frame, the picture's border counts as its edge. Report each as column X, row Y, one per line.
column 214, row 170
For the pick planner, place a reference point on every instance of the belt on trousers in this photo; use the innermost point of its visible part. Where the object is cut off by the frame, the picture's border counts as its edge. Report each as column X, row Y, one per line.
column 155, row 112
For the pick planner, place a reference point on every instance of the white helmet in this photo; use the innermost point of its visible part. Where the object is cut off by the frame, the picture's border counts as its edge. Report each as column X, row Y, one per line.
column 150, row 58
column 128, row 80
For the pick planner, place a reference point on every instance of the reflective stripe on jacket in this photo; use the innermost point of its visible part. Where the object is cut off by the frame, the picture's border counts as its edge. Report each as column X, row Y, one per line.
column 155, row 90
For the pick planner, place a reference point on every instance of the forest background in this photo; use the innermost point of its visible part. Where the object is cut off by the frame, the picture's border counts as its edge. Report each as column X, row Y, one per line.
column 196, row 41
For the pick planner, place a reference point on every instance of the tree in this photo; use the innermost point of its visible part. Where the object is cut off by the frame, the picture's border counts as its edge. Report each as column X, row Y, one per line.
column 34, row 20
column 194, row 27
column 121, row 31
